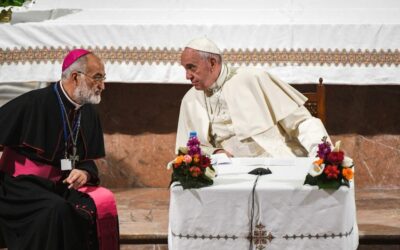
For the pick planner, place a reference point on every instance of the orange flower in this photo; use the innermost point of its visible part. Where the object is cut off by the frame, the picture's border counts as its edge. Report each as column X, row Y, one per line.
column 179, row 159
column 196, row 158
column 319, row 162
column 347, row 173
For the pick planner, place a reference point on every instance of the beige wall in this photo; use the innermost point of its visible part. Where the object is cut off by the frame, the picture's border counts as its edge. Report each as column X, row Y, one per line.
column 140, row 120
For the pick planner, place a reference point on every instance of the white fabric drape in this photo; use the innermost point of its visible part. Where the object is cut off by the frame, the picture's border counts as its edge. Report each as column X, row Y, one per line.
column 355, row 42
column 218, row 217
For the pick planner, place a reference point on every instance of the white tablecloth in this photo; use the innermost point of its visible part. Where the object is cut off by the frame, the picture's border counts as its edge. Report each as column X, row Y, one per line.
column 287, row 215
column 354, row 42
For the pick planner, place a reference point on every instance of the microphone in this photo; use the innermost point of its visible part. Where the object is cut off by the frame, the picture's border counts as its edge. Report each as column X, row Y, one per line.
column 260, row 171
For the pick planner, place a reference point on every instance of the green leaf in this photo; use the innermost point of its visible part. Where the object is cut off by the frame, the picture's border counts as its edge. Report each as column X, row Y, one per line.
column 206, row 179
column 19, row 2
column 188, row 181
column 328, row 184
column 5, row 3
column 310, row 180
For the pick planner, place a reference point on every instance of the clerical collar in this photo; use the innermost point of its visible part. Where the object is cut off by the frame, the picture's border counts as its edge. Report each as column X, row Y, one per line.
column 220, row 81
column 76, row 105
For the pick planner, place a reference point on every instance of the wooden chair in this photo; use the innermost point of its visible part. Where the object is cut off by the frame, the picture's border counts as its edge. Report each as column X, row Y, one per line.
column 316, row 102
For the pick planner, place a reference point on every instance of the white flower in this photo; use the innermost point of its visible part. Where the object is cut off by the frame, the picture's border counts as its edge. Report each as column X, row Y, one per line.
column 210, row 173
column 316, row 168
column 347, row 162
column 337, row 146
column 169, row 165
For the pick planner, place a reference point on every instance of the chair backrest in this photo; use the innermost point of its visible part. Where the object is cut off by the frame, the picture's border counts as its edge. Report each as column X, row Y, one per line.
column 316, row 102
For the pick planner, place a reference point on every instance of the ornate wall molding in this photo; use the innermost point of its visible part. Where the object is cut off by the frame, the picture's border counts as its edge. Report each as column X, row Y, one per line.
column 305, row 57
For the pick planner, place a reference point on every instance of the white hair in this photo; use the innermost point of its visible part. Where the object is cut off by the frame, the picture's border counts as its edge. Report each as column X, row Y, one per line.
column 84, row 94
column 78, row 65
column 207, row 55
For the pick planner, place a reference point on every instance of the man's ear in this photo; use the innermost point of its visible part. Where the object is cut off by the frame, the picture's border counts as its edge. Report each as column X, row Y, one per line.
column 74, row 77
column 213, row 62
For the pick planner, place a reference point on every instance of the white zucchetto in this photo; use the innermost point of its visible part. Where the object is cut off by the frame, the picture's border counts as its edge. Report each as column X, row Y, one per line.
column 204, row 44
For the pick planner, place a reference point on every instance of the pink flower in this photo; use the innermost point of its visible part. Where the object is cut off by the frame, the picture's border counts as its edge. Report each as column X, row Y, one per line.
column 193, row 142
column 187, row 159
column 194, row 150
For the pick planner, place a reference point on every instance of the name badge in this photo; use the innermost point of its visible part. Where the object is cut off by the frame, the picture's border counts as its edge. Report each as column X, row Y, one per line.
column 66, row 164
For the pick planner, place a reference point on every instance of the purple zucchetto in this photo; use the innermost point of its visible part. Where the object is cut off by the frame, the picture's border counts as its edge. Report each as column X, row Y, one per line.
column 72, row 56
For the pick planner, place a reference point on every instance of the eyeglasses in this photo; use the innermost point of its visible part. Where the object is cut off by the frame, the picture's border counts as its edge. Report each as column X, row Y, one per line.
column 97, row 79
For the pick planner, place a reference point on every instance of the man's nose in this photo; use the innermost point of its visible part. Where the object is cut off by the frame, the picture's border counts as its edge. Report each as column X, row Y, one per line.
column 189, row 75
column 102, row 86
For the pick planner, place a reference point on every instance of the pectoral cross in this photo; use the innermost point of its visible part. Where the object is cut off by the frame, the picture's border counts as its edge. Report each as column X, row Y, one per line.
column 74, row 157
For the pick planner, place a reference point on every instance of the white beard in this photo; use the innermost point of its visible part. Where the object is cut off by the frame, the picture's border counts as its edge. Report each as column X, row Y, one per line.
column 83, row 94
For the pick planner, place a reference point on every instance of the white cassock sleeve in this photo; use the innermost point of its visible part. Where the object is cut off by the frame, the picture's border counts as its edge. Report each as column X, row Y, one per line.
column 307, row 129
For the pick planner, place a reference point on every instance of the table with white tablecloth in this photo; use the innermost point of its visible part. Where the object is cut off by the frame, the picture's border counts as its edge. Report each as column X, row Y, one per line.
column 285, row 214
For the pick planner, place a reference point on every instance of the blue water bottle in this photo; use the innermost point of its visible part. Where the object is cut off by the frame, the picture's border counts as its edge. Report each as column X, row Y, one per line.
column 192, row 134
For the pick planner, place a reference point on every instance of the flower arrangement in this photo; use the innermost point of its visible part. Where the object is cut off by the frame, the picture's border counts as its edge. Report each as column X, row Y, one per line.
column 6, row 3
column 6, row 8
column 191, row 168
column 331, row 169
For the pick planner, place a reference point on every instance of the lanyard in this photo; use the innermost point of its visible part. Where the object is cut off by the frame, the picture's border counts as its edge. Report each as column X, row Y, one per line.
column 73, row 130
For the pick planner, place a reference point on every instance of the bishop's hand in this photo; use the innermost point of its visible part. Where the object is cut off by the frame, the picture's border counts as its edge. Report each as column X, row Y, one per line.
column 77, row 178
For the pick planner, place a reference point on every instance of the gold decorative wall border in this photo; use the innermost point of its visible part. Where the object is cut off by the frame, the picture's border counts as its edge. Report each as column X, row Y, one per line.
column 157, row 56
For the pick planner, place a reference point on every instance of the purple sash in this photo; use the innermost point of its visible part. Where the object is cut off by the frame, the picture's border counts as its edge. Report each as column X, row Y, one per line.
column 107, row 223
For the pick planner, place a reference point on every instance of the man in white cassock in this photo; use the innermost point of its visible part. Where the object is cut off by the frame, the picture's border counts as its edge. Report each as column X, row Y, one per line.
column 243, row 112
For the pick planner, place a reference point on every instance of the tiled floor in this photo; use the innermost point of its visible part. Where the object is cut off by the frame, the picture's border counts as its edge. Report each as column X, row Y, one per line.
column 378, row 213
column 143, row 215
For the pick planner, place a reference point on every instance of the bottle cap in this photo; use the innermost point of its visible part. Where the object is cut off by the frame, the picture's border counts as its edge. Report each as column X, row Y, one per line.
column 192, row 134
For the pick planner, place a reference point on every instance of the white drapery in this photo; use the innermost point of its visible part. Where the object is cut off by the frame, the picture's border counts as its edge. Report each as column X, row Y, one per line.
column 287, row 215
column 354, row 42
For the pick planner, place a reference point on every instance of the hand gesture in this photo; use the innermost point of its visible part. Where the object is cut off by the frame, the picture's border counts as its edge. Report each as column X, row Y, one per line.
column 77, row 178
